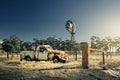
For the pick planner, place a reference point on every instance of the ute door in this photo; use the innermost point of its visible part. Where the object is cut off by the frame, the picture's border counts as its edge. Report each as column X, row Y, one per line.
column 43, row 53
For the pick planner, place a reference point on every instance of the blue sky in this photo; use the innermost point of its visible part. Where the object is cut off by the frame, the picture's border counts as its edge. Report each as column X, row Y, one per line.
column 30, row 19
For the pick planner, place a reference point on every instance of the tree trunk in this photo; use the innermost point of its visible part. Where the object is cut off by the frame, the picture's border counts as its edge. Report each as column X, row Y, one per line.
column 11, row 55
column 7, row 55
column 17, row 54
column 76, row 55
column 107, row 54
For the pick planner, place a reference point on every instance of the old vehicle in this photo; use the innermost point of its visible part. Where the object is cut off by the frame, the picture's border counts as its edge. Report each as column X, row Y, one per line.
column 44, row 52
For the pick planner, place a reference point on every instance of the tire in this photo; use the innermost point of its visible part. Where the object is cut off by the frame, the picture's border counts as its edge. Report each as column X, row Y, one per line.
column 20, row 59
column 56, row 59
column 27, row 58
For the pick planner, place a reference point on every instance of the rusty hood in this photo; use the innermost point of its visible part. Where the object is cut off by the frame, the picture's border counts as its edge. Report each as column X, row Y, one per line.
column 59, row 52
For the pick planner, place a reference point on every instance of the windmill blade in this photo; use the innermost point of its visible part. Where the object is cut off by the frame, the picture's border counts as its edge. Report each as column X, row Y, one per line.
column 74, row 27
column 70, row 26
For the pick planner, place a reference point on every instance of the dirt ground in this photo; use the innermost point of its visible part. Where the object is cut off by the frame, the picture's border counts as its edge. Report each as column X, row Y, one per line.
column 47, row 70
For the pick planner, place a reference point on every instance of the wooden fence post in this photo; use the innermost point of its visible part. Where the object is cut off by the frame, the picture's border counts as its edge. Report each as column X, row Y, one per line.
column 103, row 58
column 85, row 55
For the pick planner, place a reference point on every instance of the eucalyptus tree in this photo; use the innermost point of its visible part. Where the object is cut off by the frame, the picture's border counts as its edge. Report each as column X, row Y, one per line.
column 117, row 43
column 7, row 46
column 27, row 46
column 43, row 42
column 104, row 44
column 54, row 42
column 11, row 45
column 36, row 42
column 16, row 42
column 95, row 42
column 110, row 43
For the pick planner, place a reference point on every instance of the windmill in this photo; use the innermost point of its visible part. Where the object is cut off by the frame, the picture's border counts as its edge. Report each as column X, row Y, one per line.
column 70, row 27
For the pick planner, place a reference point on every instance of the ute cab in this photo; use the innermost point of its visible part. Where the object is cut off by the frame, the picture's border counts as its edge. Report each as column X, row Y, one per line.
column 42, row 52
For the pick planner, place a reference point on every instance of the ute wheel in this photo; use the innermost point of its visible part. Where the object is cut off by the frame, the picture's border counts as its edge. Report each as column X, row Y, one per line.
column 20, row 59
column 27, row 58
column 56, row 59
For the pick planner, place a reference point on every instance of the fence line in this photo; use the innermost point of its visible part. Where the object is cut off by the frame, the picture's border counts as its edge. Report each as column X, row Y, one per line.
column 86, row 54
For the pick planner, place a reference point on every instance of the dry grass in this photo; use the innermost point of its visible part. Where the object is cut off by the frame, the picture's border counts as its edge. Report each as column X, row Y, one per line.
column 47, row 70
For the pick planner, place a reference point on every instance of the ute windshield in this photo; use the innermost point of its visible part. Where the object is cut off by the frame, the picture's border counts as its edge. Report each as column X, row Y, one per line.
column 49, row 48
